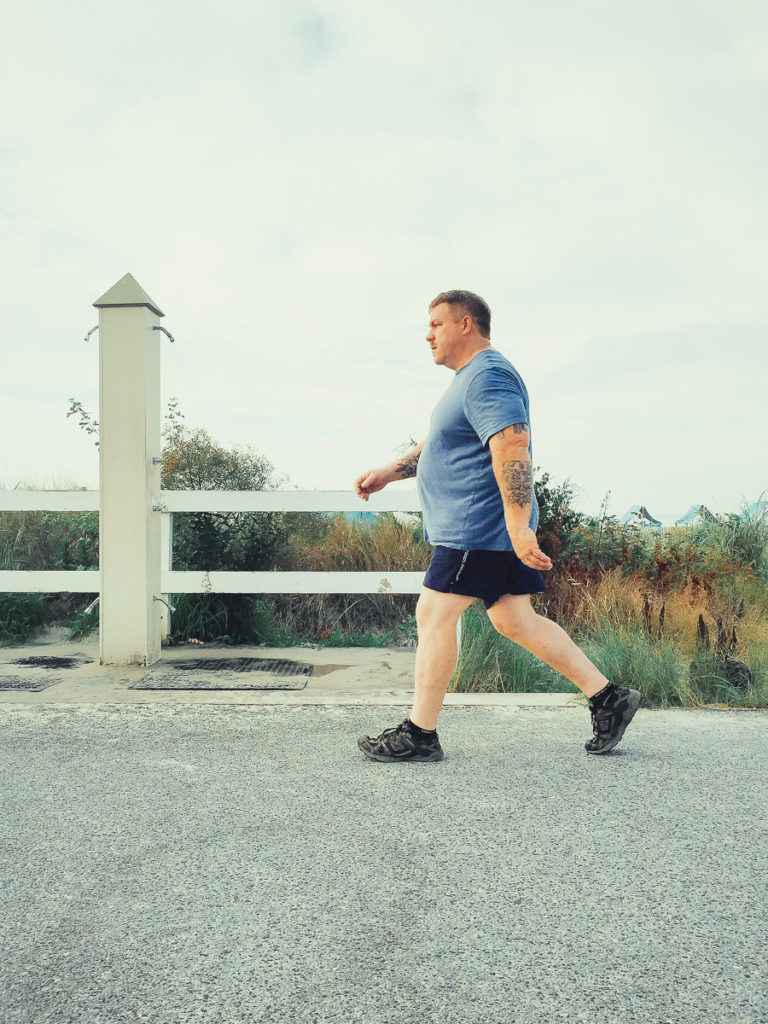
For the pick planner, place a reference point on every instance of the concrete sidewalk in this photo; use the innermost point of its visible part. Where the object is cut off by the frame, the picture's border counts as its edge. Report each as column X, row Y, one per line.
column 234, row 864
column 342, row 676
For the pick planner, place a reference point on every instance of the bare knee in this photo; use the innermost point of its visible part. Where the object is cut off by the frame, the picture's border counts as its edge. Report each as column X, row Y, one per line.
column 428, row 614
column 513, row 620
column 439, row 611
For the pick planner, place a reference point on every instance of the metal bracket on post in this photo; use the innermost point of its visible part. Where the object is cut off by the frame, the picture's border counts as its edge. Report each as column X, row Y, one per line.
column 157, row 327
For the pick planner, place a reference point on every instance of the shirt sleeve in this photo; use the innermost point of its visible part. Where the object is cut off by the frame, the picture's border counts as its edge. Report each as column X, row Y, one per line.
column 493, row 400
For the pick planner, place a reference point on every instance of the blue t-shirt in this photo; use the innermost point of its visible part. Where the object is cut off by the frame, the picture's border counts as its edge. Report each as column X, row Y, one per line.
column 460, row 498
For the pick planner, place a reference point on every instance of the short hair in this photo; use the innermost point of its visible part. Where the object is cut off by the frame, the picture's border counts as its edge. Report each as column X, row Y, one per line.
column 472, row 305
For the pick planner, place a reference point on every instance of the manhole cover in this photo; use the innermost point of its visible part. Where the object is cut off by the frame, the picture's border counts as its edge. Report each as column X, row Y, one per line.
column 227, row 674
column 51, row 662
column 28, row 683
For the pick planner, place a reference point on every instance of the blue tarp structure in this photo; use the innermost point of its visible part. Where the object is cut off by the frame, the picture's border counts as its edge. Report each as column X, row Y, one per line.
column 696, row 514
column 367, row 518
column 639, row 515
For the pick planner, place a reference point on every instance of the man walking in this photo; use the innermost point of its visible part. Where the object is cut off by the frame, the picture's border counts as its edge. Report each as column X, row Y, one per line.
column 475, row 483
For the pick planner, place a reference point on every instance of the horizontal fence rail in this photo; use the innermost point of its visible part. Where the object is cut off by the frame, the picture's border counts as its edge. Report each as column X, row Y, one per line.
column 87, row 581
column 291, row 582
column 58, row 581
column 220, row 501
column 49, row 501
column 288, row 501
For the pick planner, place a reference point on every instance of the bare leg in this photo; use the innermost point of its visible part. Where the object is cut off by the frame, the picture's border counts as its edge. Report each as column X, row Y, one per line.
column 436, row 618
column 514, row 617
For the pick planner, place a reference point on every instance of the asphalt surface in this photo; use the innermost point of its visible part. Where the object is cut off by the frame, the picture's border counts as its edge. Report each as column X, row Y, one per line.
column 185, row 863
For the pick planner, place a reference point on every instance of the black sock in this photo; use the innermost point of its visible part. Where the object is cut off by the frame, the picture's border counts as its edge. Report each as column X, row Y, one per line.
column 598, row 699
column 419, row 731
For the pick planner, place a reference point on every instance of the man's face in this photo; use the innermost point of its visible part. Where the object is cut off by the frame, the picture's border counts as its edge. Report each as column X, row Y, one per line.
column 445, row 335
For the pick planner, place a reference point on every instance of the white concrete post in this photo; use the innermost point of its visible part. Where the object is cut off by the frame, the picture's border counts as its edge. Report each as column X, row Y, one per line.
column 129, row 438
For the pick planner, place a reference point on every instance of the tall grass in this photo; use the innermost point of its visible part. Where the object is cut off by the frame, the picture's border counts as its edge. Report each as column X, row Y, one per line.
column 490, row 663
column 386, row 544
column 736, row 540
column 667, row 674
column 642, row 627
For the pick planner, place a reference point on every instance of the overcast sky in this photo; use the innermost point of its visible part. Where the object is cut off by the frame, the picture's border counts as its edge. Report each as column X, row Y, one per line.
column 293, row 183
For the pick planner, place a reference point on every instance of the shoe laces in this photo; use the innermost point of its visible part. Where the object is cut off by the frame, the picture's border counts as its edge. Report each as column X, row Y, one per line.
column 601, row 720
column 397, row 728
column 389, row 733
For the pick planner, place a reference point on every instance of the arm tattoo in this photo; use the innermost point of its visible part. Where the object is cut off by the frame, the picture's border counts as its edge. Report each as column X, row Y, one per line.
column 407, row 467
column 518, row 482
column 517, row 428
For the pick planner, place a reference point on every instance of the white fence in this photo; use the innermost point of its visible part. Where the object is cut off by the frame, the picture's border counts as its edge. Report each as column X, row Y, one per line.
column 87, row 581
column 135, row 574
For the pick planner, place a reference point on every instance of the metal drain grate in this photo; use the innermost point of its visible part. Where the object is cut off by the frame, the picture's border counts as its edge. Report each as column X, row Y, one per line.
column 37, row 671
column 227, row 674
column 275, row 666
column 27, row 683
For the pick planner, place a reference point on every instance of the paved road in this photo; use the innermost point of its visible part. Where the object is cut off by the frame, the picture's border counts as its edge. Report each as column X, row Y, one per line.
column 236, row 864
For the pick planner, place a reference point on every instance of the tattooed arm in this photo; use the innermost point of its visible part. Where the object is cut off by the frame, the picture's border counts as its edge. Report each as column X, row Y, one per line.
column 401, row 469
column 514, row 475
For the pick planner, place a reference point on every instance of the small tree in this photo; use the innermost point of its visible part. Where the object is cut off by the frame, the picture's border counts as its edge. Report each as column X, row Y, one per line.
column 244, row 541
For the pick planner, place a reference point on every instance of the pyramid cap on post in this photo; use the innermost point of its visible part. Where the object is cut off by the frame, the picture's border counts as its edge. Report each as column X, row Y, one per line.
column 127, row 292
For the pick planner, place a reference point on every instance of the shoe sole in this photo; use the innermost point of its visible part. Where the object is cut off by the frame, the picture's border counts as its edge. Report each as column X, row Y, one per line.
column 436, row 755
column 633, row 704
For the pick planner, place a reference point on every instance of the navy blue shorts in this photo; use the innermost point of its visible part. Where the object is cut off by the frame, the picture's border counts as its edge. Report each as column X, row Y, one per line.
column 488, row 575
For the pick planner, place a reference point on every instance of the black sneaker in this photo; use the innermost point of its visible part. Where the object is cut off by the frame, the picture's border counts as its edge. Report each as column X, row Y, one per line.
column 610, row 720
column 401, row 744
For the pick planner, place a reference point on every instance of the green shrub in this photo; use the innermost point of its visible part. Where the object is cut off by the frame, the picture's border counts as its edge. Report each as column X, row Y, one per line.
column 738, row 541
column 22, row 616
column 605, row 543
column 82, row 622
column 223, row 618
column 557, row 517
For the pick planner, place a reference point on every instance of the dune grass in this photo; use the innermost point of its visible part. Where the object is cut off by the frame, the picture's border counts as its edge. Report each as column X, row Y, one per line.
column 490, row 663
column 623, row 634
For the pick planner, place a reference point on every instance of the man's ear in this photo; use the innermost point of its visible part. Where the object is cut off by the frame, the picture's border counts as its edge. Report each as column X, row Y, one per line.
column 466, row 324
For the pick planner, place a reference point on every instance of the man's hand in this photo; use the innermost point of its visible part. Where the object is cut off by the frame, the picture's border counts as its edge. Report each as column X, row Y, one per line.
column 375, row 479
column 528, row 551
column 371, row 481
